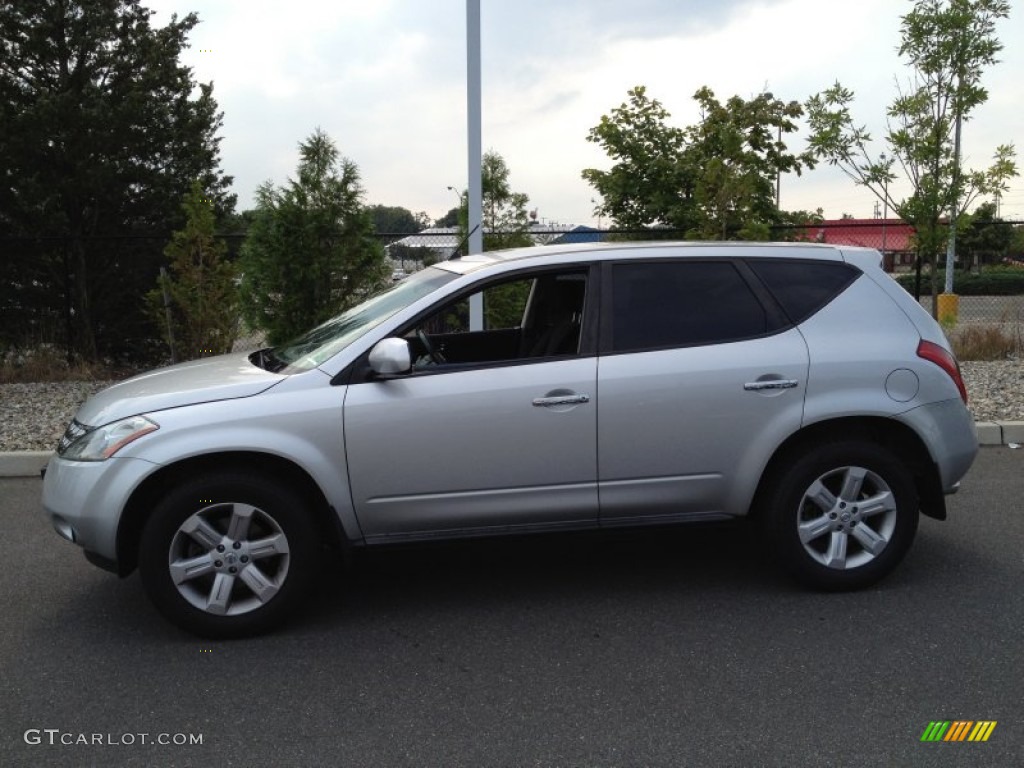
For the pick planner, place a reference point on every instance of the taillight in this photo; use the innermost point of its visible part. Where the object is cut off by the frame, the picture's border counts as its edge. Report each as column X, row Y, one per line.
column 929, row 350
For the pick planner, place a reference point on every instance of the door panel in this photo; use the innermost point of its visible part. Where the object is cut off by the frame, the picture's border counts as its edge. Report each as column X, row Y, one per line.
column 681, row 435
column 469, row 451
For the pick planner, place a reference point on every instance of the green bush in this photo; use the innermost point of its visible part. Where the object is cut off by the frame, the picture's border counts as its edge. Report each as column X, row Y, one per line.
column 998, row 281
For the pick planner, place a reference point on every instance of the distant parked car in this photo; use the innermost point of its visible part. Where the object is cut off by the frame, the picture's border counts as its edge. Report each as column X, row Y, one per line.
column 542, row 389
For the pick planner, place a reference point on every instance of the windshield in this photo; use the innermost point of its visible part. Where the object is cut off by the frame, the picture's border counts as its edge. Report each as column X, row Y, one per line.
column 323, row 342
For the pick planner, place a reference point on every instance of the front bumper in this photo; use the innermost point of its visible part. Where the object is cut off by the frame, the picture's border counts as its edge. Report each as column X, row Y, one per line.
column 84, row 501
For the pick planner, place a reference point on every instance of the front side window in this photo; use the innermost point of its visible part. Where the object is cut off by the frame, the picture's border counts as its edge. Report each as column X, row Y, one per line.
column 527, row 317
column 674, row 304
column 504, row 306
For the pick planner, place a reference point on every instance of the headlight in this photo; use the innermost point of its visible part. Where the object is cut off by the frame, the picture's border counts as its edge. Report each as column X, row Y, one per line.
column 100, row 443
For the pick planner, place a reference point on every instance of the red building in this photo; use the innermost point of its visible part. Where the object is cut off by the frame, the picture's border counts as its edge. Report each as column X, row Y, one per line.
column 893, row 237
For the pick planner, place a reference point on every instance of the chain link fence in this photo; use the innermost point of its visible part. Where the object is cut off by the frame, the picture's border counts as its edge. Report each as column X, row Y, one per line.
column 40, row 279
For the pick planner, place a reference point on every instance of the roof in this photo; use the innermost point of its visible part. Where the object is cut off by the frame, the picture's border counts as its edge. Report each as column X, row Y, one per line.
column 648, row 249
column 446, row 239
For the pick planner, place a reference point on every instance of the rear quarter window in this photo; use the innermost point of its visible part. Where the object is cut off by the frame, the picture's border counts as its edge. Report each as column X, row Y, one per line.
column 803, row 287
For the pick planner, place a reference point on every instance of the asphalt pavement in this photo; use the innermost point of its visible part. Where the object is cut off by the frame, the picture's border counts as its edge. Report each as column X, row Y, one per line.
column 653, row 648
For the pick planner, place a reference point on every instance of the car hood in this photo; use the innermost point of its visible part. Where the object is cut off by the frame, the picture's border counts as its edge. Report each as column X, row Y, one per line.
column 198, row 381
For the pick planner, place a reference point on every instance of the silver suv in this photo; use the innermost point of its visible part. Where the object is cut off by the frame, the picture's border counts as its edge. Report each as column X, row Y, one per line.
column 543, row 389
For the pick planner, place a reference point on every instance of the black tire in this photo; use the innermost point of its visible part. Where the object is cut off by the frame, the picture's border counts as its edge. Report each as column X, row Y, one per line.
column 274, row 554
column 819, row 542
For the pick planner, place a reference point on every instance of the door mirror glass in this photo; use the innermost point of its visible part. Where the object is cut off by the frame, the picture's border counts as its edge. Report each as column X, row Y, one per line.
column 390, row 357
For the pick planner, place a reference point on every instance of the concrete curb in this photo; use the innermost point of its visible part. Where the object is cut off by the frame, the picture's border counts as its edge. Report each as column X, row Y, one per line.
column 28, row 463
column 23, row 463
column 1000, row 432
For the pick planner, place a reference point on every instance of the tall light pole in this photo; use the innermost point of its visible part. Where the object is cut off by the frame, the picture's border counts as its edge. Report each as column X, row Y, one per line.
column 475, row 150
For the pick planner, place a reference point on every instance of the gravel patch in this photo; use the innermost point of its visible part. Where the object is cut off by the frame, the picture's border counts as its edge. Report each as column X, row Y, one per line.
column 34, row 416
column 995, row 391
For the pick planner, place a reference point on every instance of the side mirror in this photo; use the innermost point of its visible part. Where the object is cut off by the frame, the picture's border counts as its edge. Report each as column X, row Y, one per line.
column 390, row 357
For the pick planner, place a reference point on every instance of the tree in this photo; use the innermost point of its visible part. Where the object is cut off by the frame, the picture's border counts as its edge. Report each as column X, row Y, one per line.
column 984, row 237
column 394, row 219
column 948, row 45
column 200, row 286
column 506, row 223
column 450, row 219
column 310, row 252
column 1017, row 244
column 738, row 157
column 651, row 182
column 714, row 179
column 101, row 131
column 793, row 226
column 233, row 227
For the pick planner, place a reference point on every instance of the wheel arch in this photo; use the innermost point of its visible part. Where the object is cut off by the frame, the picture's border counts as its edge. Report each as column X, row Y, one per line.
column 146, row 495
column 896, row 437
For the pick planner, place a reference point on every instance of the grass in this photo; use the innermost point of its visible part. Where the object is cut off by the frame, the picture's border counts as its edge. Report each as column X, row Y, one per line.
column 986, row 341
column 48, row 363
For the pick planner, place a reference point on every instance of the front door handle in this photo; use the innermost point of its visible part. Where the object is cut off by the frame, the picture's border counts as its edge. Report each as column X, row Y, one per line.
column 755, row 386
column 547, row 402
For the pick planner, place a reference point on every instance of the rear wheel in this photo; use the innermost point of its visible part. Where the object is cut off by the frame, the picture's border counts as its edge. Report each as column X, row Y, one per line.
column 228, row 555
column 842, row 515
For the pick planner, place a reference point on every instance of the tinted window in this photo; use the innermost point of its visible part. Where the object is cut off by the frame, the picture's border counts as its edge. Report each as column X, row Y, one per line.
column 681, row 303
column 804, row 287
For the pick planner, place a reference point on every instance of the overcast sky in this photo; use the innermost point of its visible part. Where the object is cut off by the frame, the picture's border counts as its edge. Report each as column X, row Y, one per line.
column 386, row 80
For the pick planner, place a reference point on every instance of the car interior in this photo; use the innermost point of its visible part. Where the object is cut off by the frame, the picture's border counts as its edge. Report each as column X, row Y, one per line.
column 523, row 318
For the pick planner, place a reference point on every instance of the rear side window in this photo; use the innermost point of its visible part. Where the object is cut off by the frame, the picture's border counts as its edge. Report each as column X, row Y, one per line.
column 803, row 287
column 668, row 304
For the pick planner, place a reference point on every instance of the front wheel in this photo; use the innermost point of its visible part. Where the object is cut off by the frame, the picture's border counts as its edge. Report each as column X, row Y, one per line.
column 228, row 555
column 842, row 515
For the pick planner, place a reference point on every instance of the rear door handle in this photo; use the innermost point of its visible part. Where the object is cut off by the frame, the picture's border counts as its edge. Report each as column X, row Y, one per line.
column 547, row 402
column 755, row 386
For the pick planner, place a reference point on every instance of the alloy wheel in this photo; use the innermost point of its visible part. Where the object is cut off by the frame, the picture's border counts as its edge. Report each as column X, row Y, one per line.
column 229, row 559
column 846, row 517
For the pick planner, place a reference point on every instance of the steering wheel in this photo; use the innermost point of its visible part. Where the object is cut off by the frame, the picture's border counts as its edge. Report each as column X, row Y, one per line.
column 428, row 346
